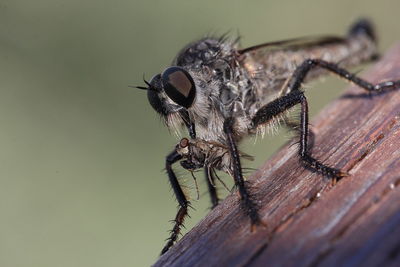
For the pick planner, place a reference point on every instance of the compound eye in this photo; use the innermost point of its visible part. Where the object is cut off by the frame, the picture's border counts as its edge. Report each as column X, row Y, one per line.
column 179, row 86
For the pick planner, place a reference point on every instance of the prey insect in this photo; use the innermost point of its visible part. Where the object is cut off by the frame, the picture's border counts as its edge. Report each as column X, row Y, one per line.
column 222, row 93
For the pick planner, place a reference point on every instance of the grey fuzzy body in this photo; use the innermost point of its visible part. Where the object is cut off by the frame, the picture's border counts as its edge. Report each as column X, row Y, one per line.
column 236, row 83
column 222, row 93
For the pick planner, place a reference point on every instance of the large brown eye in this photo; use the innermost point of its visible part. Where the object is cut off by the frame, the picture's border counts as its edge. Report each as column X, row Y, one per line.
column 179, row 86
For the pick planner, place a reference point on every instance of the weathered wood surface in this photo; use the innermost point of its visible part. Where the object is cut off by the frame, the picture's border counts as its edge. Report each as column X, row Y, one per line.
column 309, row 221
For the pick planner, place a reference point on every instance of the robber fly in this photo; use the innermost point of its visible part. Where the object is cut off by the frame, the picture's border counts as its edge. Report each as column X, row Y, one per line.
column 222, row 93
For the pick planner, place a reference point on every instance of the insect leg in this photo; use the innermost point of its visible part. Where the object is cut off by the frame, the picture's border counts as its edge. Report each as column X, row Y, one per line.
column 188, row 123
column 305, row 156
column 300, row 74
column 180, row 196
column 282, row 104
column 294, row 126
column 211, row 186
column 247, row 201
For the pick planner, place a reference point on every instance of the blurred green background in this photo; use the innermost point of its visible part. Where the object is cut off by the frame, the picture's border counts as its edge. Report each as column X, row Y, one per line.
column 81, row 153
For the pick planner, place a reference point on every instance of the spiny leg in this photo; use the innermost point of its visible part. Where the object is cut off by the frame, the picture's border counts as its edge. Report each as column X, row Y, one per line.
column 211, row 186
column 279, row 106
column 295, row 126
column 301, row 72
column 180, row 196
column 249, row 205
column 294, row 85
column 295, row 96
column 305, row 156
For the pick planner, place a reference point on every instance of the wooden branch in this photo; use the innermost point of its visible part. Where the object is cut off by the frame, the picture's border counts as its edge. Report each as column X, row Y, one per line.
column 309, row 221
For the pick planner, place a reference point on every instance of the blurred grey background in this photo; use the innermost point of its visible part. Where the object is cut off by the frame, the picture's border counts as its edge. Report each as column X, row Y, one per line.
column 81, row 153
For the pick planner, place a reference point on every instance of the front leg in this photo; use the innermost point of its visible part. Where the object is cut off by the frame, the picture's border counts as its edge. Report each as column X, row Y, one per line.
column 188, row 123
column 247, row 201
column 180, row 196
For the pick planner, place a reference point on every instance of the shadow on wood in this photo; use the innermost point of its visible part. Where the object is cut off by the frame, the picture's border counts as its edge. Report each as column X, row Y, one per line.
column 309, row 221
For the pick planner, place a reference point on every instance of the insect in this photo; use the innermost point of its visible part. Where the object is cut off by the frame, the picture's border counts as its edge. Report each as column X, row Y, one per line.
column 222, row 93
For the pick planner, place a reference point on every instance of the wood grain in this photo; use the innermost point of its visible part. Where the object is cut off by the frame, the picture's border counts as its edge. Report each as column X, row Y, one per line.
column 309, row 221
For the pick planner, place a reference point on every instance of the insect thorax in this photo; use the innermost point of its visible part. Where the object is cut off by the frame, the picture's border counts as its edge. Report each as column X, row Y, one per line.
column 224, row 88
